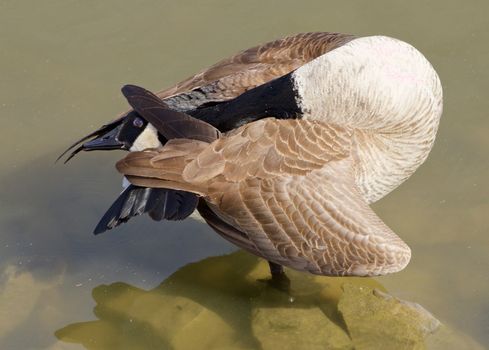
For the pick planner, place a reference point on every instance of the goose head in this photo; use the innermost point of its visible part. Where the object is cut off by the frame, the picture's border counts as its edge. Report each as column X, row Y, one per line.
column 130, row 133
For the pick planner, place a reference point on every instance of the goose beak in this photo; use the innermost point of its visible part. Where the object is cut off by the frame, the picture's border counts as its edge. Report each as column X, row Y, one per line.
column 104, row 138
column 105, row 142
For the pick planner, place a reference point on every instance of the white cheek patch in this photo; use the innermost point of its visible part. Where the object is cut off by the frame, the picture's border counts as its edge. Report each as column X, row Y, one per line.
column 147, row 139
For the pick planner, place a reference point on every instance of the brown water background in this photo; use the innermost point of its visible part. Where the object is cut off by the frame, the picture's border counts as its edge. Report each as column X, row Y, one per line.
column 62, row 63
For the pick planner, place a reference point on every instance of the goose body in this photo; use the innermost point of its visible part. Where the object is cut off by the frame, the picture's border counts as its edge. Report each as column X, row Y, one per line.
column 310, row 129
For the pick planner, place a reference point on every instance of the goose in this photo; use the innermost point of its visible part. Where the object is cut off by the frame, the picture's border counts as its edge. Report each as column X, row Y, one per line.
column 286, row 165
column 219, row 83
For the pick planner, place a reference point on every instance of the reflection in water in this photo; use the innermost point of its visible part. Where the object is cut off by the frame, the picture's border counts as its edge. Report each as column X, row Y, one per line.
column 224, row 303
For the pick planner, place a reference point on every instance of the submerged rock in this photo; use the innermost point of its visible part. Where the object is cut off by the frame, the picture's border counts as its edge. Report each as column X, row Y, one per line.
column 376, row 320
column 289, row 328
column 228, row 303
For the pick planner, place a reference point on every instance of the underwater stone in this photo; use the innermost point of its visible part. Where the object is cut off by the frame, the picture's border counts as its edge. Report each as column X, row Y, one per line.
column 292, row 328
column 376, row 320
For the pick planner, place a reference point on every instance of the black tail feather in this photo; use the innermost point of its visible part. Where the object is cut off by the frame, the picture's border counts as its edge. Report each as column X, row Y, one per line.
column 171, row 204
column 159, row 203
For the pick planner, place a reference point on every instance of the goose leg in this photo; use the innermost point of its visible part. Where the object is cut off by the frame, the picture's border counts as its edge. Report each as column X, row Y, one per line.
column 279, row 279
column 276, row 269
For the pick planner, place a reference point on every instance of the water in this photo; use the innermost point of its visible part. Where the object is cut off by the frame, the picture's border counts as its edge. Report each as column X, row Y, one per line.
column 61, row 66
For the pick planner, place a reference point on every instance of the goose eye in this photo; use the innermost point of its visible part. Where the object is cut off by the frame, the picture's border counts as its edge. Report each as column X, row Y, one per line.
column 138, row 122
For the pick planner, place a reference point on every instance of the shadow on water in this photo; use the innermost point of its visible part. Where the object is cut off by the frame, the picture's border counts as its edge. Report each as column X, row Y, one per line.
column 226, row 303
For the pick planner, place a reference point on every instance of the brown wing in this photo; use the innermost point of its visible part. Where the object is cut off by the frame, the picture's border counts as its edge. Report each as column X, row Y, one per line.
column 263, row 149
column 318, row 222
column 227, row 231
column 289, row 187
column 269, row 148
column 257, row 65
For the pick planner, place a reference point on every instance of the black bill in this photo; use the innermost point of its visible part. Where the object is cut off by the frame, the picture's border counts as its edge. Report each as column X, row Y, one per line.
column 106, row 134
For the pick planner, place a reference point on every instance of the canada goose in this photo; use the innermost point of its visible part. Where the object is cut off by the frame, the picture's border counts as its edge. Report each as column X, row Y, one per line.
column 356, row 122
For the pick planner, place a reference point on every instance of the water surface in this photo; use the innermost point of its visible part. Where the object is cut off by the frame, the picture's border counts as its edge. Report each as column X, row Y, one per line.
column 62, row 63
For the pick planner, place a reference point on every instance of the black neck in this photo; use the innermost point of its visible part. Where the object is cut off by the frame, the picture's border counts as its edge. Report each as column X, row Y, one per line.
column 276, row 98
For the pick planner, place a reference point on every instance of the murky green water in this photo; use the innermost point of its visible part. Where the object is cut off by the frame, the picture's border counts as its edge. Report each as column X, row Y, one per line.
column 61, row 66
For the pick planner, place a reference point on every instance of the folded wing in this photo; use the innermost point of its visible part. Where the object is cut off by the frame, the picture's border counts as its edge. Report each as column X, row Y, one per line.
column 287, row 189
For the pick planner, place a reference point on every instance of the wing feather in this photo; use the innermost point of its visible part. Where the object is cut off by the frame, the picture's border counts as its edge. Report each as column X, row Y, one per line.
column 258, row 150
column 296, row 204
column 257, row 65
column 318, row 222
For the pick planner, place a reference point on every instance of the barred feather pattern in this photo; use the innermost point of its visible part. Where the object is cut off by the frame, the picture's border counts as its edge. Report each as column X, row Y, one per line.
column 288, row 187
